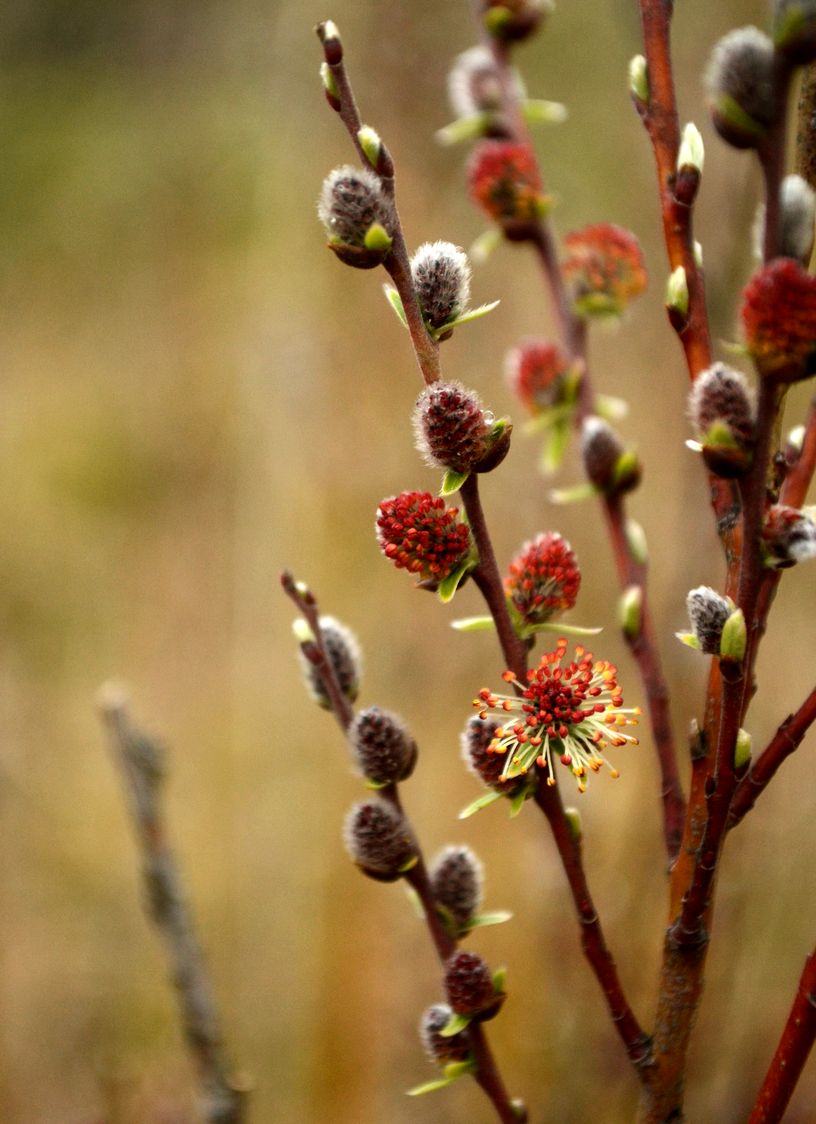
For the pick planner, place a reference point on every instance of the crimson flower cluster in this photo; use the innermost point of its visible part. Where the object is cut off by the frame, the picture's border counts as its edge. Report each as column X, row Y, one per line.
column 536, row 370
column 543, row 578
column 420, row 534
column 604, row 267
column 779, row 320
column 505, row 182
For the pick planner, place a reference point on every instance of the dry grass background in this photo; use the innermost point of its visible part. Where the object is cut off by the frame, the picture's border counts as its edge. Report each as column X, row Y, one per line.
column 196, row 395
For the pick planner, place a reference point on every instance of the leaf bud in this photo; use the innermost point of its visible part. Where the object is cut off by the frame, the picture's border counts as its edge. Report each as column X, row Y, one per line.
column 740, row 84
column 742, row 749
column 352, row 204
column 456, row 882
column 639, row 78
column 689, row 165
column 734, row 639
column 630, row 611
column 379, row 840
column 382, row 746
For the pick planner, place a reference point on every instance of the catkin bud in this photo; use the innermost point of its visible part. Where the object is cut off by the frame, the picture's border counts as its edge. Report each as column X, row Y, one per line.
column 722, row 409
column 469, row 986
column 608, row 465
column 708, row 611
column 740, row 84
column 476, row 739
column 442, row 281
column 513, row 20
column 442, row 1049
column 794, row 29
column 797, row 213
column 343, row 654
column 382, row 746
column 379, row 840
column 357, row 215
column 456, row 882
column 474, row 84
column 451, row 426
column 788, row 536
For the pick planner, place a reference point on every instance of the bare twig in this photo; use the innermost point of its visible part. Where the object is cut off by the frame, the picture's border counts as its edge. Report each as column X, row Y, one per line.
column 791, row 1053
column 141, row 764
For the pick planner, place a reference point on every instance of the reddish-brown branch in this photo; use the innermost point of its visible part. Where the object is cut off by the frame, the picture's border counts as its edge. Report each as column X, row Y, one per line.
column 785, row 741
column 791, row 1053
column 397, row 263
column 636, row 1042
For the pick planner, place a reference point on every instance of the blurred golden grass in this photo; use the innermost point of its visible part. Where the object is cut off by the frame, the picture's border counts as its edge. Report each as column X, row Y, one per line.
column 196, row 395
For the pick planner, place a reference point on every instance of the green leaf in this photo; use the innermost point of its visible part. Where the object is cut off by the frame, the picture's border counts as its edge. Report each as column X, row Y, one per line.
column 415, row 900
column 474, row 624
column 576, row 494
column 463, row 129
column 455, row 1025
column 451, row 583
column 548, row 417
column 395, row 300
column 517, row 802
column 611, row 408
column 465, row 318
column 484, row 246
column 452, row 482
column 539, row 111
column 555, row 447
column 497, row 917
column 689, row 639
column 500, row 979
column 430, row 1086
column 483, row 801
column 454, row 1070
column 561, row 628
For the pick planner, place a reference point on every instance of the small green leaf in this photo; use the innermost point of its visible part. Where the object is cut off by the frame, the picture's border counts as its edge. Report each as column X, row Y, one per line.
column 465, row 318
column 734, row 638
column 455, row 1025
column 409, row 864
column 576, row 494
column 415, row 900
column 463, row 129
column 302, row 632
column 452, row 482
column 327, row 78
column 474, row 624
column 547, row 418
column 610, row 408
column 517, row 802
column 561, row 628
column 539, row 111
column 484, row 246
column 555, row 447
column 454, row 1070
column 376, row 785
column 677, row 294
column 395, row 300
column 371, row 145
column 430, row 1086
column 497, row 917
column 639, row 78
column 690, row 640
column 500, row 980
column 483, row 801
column 692, row 151
column 448, row 587
column 377, row 238
column 636, row 541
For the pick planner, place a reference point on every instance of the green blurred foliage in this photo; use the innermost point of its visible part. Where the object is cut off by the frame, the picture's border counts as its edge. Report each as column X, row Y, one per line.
column 195, row 395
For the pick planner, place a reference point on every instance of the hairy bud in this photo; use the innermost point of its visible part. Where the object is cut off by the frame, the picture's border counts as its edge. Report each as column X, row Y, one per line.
column 382, row 746
column 343, row 653
column 740, row 84
column 477, row 737
column 456, row 882
column 607, row 463
column 708, row 611
column 442, row 281
column 379, row 840
column 442, row 1049
column 794, row 29
column 474, row 84
column 469, row 986
column 722, row 411
column 788, row 536
column 357, row 215
column 451, row 426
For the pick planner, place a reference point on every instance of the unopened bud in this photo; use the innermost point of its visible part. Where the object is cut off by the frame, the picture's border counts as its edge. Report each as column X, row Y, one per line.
column 440, row 1048
column 382, row 746
column 379, row 840
column 639, row 78
column 708, row 611
column 794, row 29
column 608, row 464
column 513, row 20
column 734, row 639
column 742, row 749
column 689, row 165
column 677, row 296
column 343, row 654
column 441, row 277
column 740, row 83
column 722, row 411
column 573, row 818
column 788, row 536
column 352, row 205
column 630, row 611
column 456, row 882
column 451, row 426
column 476, row 739
column 474, row 84
column 469, row 986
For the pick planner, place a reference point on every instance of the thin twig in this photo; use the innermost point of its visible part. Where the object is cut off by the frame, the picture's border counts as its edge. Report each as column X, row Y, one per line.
column 791, row 1053
column 141, row 764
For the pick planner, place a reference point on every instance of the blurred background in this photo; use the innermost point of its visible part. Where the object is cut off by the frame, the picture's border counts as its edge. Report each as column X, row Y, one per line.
column 195, row 395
